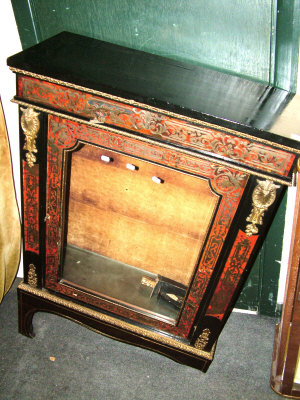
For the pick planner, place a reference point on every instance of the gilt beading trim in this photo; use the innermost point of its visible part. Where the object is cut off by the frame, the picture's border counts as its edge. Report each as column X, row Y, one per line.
column 116, row 322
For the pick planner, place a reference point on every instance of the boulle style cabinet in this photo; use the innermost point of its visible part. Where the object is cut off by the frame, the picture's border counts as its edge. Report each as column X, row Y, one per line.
column 148, row 186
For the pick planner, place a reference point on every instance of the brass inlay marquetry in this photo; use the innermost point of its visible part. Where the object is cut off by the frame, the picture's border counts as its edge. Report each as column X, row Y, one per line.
column 30, row 125
column 146, row 140
column 32, row 276
column 203, row 339
column 151, row 108
column 263, row 197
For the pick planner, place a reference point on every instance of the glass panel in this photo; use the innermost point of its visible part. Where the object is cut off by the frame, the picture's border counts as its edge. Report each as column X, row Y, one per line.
column 134, row 230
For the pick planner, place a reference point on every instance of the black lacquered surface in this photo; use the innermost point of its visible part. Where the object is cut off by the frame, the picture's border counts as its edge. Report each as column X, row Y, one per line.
column 174, row 86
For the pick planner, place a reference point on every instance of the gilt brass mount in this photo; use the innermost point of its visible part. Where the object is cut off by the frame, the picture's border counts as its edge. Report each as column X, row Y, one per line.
column 30, row 125
column 203, row 339
column 32, row 276
column 263, row 197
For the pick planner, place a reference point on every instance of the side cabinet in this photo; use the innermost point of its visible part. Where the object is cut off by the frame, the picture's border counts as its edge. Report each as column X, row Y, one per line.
column 142, row 215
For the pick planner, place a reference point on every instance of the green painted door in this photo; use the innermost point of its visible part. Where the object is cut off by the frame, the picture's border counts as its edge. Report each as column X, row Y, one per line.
column 254, row 38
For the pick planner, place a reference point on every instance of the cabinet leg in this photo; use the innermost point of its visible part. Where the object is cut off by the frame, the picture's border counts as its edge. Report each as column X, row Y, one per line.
column 25, row 313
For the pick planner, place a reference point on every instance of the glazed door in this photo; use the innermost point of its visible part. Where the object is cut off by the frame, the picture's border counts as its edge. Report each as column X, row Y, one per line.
column 133, row 227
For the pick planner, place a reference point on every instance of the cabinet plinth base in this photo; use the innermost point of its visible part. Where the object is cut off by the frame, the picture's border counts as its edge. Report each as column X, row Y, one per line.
column 32, row 300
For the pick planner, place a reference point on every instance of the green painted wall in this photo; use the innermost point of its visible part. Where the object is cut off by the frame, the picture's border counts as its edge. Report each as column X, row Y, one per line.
column 233, row 35
column 287, row 44
column 255, row 38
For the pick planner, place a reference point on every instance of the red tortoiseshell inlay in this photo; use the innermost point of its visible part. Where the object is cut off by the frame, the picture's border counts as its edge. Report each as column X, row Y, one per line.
column 198, row 136
column 227, row 182
column 234, row 268
column 31, row 207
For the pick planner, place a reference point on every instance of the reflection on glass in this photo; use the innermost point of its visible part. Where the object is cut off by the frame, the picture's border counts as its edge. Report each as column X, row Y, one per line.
column 133, row 229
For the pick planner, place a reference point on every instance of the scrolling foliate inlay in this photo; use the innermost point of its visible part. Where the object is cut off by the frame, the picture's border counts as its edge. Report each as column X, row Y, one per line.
column 152, row 121
column 30, row 124
column 263, row 197
column 227, row 181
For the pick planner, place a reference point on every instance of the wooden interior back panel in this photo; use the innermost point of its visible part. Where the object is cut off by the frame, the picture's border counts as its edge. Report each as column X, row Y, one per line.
column 124, row 215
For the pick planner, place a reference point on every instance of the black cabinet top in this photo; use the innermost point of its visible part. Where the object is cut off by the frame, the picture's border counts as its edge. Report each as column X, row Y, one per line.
column 196, row 91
